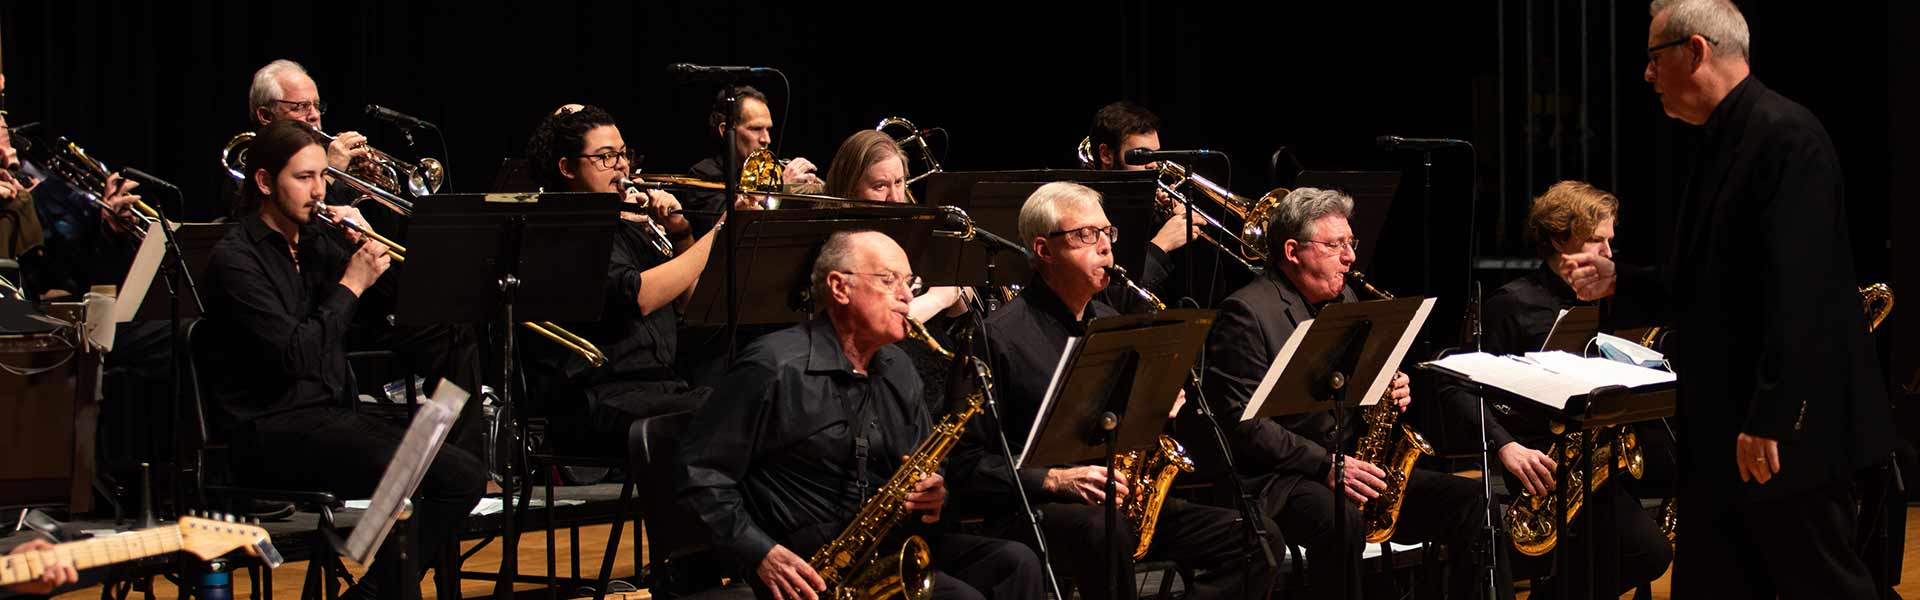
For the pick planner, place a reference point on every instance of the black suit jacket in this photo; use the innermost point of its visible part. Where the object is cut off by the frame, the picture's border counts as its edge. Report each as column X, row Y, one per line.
column 1760, row 290
column 1280, row 452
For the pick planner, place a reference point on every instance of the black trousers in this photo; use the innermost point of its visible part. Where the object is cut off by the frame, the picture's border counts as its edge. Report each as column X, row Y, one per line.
column 971, row 567
column 345, row 453
column 1627, row 548
column 1208, row 540
column 436, row 352
column 1438, row 508
column 1794, row 547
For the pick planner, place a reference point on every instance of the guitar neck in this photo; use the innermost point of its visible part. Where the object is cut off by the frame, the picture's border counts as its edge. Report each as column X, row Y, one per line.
column 87, row 554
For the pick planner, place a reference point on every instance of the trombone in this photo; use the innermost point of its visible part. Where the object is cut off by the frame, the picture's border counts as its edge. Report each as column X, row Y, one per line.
column 546, row 329
column 916, row 139
column 1248, row 246
column 378, row 167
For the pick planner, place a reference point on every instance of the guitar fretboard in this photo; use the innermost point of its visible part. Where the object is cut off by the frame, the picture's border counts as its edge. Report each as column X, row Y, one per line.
column 86, row 554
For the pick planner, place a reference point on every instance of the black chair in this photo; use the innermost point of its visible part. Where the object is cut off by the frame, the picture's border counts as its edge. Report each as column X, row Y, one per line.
column 203, row 450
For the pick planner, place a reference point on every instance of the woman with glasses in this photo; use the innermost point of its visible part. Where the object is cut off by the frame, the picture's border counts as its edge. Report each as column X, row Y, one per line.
column 583, row 151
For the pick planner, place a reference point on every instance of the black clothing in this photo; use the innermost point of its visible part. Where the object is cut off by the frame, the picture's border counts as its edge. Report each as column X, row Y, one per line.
column 1027, row 336
column 1761, row 283
column 1285, row 460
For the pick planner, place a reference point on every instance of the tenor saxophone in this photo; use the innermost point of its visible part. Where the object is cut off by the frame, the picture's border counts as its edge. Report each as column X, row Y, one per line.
column 853, row 565
column 1531, row 522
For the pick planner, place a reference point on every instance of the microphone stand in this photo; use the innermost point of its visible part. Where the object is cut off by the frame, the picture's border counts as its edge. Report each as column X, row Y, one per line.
column 1006, row 450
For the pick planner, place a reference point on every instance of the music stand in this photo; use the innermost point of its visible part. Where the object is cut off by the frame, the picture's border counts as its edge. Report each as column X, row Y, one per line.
column 1372, row 193
column 507, row 258
column 775, row 251
column 1572, row 330
column 993, row 200
column 1111, row 393
column 513, row 177
column 1316, row 367
column 150, row 301
column 389, row 507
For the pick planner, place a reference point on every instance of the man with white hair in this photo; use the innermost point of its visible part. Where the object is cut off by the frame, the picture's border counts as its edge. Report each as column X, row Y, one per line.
column 1072, row 244
column 813, row 419
column 283, row 90
column 1287, row 462
column 1781, row 400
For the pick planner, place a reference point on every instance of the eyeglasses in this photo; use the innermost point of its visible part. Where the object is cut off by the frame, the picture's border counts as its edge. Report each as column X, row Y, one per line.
column 1653, row 52
column 1337, row 245
column 915, row 285
column 304, row 106
column 1089, row 235
column 611, row 158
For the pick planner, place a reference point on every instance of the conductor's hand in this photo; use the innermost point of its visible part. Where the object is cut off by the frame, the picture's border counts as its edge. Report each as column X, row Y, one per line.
column 1088, row 483
column 1758, row 458
column 1533, row 467
column 1591, row 276
column 365, row 267
column 1359, row 479
column 57, row 574
column 927, row 497
column 788, row 576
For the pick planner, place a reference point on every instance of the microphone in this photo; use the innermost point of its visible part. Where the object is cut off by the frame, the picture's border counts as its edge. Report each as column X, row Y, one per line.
column 693, row 71
column 1141, row 156
column 27, row 128
column 149, row 177
column 395, row 117
column 1394, row 142
column 956, row 222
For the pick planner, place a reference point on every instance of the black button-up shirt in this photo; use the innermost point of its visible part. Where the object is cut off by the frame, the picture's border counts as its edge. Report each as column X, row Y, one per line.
column 279, row 330
column 1026, row 337
column 771, row 458
column 639, row 347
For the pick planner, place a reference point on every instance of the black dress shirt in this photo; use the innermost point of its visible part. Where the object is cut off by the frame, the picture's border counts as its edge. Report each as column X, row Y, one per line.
column 775, row 457
column 278, row 326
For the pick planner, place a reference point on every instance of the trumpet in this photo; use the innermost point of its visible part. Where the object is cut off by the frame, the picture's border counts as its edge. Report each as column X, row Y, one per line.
column 546, row 329
column 71, row 163
column 916, row 139
column 1248, row 246
column 656, row 235
column 380, row 168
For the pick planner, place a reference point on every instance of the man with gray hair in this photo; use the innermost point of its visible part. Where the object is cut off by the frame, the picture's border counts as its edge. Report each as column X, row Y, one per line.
column 1286, row 461
column 814, row 418
column 1781, row 402
column 283, row 90
column 1071, row 244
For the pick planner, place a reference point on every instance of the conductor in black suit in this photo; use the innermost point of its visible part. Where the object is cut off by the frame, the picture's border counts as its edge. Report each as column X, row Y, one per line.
column 1287, row 461
column 1781, row 401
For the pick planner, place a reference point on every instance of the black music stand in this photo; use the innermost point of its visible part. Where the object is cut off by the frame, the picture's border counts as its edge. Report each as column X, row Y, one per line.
column 508, row 258
column 196, row 248
column 1601, row 407
column 993, row 200
column 774, row 251
column 1347, row 343
column 1372, row 193
column 1111, row 394
column 1572, row 330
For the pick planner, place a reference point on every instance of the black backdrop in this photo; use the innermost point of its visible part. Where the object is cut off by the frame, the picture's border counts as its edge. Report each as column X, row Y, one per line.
column 1545, row 89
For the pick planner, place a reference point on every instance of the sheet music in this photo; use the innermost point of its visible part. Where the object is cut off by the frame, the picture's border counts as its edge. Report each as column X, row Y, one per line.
column 422, row 442
column 1385, row 377
column 1046, row 404
column 146, row 262
column 1550, row 378
column 1274, row 369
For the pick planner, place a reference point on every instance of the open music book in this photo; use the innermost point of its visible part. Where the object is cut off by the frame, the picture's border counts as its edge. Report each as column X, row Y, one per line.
column 1550, row 378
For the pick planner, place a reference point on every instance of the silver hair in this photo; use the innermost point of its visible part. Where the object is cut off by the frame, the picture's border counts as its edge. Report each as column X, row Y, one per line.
column 266, row 83
column 835, row 255
column 1293, row 219
column 1041, row 213
column 1718, row 20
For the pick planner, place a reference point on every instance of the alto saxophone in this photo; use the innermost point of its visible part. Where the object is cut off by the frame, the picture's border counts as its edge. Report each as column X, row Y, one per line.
column 1392, row 446
column 852, row 565
column 1530, row 519
column 1151, row 473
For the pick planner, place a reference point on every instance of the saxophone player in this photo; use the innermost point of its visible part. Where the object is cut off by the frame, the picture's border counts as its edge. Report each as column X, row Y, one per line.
column 1284, row 461
column 812, row 419
column 1571, row 217
column 1071, row 242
